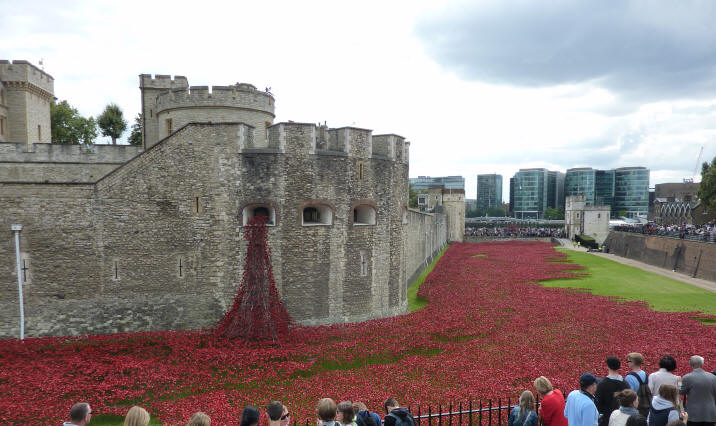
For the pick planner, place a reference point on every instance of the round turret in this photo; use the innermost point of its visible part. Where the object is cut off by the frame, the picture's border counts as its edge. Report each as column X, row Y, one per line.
column 223, row 104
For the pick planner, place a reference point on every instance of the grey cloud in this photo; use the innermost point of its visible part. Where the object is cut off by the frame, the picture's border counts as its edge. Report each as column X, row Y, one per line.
column 646, row 50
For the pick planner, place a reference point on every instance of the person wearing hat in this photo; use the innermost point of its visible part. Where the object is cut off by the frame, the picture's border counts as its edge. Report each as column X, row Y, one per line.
column 580, row 409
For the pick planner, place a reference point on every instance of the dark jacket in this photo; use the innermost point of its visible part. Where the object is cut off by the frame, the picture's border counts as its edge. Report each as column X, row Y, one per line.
column 399, row 414
column 604, row 398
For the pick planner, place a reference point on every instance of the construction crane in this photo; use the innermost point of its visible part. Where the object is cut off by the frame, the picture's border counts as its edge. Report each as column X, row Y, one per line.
column 696, row 167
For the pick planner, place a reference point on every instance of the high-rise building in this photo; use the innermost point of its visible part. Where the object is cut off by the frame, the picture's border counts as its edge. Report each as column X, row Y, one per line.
column 631, row 191
column 489, row 191
column 532, row 191
column 625, row 190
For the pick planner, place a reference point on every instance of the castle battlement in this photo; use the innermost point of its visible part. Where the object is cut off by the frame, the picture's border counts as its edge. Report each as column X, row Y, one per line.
column 20, row 71
column 307, row 139
column 160, row 81
column 235, row 96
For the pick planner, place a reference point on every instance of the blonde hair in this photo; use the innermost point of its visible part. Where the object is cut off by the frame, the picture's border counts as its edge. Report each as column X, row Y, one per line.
column 359, row 406
column 636, row 358
column 199, row 419
column 136, row 416
column 527, row 404
column 669, row 393
column 543, row 385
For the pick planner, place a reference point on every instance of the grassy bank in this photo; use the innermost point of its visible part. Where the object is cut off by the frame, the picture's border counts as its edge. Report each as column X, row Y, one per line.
column 414, row 301
column 609, row 278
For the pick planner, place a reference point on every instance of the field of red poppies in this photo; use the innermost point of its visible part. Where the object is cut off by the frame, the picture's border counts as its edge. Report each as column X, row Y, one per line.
column 488, row 331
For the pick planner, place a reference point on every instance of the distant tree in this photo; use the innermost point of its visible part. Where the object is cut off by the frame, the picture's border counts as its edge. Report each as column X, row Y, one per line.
column 135, row 138
column 496, row 212
column 413, row 197
column 554, row 214
column 112, row 122
column 621, row 213
column 707, row 188
column 68, row 127
column 474, row 213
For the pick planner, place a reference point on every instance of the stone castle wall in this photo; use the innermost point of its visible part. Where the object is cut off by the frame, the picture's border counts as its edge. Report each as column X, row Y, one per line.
column 158, row 243
column 688, row 257
column 61, row 163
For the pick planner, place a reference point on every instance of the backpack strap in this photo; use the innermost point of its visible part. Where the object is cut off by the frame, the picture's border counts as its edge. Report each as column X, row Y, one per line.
column 641, row 382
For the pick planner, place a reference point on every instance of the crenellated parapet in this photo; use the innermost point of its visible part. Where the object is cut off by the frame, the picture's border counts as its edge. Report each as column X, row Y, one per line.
column 242, row 96
column 162, row 82
column 19, row 73
column 308, row 139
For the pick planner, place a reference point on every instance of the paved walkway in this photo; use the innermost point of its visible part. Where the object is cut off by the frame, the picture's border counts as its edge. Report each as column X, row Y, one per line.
column 708, row 285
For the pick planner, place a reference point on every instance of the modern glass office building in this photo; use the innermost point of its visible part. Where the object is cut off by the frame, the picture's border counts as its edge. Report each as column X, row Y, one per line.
column 533, row 190
column 423, row 183
column 625, row 190
column 489, row 191
column 631, row 191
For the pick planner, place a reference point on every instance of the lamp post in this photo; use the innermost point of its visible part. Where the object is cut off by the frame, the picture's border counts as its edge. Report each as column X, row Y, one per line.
column 16, row 230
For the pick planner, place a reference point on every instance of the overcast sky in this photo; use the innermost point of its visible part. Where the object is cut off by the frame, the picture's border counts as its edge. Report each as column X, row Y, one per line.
column 477, row 87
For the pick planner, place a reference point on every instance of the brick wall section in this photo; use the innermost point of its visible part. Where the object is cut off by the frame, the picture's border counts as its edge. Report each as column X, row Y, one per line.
column 688, row 257
column 105, row 257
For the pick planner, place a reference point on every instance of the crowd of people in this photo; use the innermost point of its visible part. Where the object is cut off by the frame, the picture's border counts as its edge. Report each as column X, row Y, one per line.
column 514, row 232
column 705, row 232
column 328, row 413
column 637, row 399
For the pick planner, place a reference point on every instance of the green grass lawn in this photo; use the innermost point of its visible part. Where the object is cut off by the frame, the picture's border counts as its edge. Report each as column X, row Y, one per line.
column 414, row 301
column 609, row 278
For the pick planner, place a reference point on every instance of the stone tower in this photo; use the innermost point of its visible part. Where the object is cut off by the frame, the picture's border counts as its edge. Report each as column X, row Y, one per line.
column 168, row 104
column 25, row 96
column 453, row 201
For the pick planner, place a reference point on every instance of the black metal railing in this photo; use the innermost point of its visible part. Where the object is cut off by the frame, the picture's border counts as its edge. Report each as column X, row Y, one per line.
column 473, row 412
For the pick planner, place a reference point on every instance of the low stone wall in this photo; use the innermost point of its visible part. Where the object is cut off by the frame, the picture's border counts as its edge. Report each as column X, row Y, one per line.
column 688, row 257
column 477, row 239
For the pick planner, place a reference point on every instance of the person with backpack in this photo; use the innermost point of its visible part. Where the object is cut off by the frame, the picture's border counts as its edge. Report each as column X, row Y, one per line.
column 638, row 381
column 524, row 414
column 606, row 389
column 664, row 406
column 364, row 417
column 396, row 415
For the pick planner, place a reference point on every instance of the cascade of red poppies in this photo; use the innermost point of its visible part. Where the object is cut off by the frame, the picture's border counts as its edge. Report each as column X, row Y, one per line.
column 257, row 313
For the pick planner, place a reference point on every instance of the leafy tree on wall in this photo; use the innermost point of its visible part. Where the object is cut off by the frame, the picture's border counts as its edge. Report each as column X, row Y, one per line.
column 707, row 188
column 68, row 127
column 553, row 214
column 135, row 138
column 112, row 122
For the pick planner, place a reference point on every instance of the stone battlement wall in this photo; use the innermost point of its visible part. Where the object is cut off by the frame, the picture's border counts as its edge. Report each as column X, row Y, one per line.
column 236, row 96
column 51, row 163
column 24, row 71
column 160, row 81
column 308, row 139
column 688, row 257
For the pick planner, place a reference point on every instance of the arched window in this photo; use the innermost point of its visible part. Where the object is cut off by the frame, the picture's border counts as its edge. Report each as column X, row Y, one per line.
column 364, row 214
column 316, row 215
column 261, row 209
column 405, row 215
